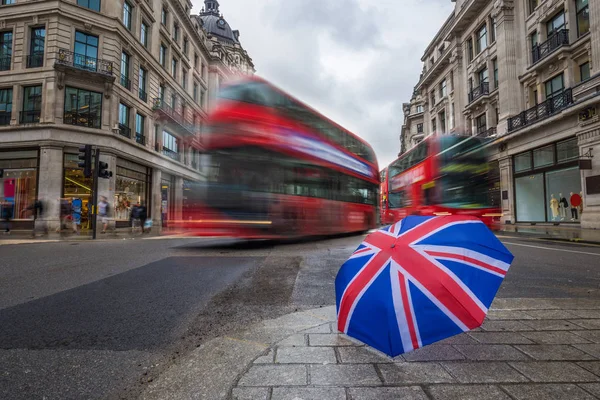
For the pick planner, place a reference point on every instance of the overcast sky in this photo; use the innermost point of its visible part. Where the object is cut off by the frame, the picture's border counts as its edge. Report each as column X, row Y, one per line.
column 356, row 61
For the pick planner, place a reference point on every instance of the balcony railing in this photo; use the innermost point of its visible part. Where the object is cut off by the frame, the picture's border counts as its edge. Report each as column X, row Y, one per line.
column 143, row 95
column 125, row 82
column 167, row 109
column 541, row 111
column 35, row 60
column 5, row 118
column 478, row 91
column 171, row 154
column 90, row 120
column 124, row 130
column 141, row 139
column 5, row 63
column 79, row 61
column 556, row 41
column 30, row 117
column 486, row 133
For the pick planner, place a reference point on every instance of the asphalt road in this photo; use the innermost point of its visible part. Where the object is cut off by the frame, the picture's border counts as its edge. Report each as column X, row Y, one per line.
column 101, row 320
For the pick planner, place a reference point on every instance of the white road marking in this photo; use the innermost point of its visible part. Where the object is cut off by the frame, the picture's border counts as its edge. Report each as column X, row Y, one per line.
column 550, row 248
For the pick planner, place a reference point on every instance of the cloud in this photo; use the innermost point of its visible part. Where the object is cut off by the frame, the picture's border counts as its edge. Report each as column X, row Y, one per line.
column 356, row 61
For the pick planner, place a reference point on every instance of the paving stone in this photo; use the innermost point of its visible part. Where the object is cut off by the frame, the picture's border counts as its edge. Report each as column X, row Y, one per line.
column 526, row 304
column 554, row 352
column 592, row 348
column 409, row 373
column 250, row 393
column 499, row 338
column 483, row 372
column 326, row 328
column 556, row 337
column 325, row 313
column 294, row 340
column 505, row 326
column 275, row 375
column 594, row 314
column 335, row 339
column 552, row 314
column 467, row 392
column 434, row 353
column 308, row 394
column 491, row 352
column 547, row 392
column 587, row 323
column 344, row 375
column 462, row 338
column 574, row 303
column 396, row 393
column 554, row 372
column 591, row 335
column 593, row 388
column 553, row 325
column 305, row 355
column 266, row 359
column 592, row 366
column 508, row 315
column 361, row 355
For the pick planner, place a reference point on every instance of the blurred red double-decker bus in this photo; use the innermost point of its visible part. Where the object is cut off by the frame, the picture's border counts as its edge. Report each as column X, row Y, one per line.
column 277, row 168
column 442, row 175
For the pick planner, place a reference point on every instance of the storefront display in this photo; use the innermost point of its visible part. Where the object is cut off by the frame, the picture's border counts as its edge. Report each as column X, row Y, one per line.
column 548, row 184
column 131, row 188
column 77, row 189
column 18, row 183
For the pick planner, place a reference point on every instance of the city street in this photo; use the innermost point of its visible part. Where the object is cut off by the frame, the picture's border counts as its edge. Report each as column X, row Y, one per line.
column 104, row 319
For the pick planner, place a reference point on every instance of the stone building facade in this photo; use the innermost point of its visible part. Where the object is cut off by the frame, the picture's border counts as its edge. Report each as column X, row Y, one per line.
column 525, row 75
column 133, row 78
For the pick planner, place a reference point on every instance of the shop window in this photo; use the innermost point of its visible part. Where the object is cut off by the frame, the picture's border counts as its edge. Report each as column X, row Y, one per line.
column 83, row 107
column 529, row 191
column 77, row 190
column 583, row 17
column 567, row 150
column 91, row 4
column 19, row 182
column 130, row 190
column 554, row 86
column 523, row 162
column 543, row 157
column 584, row 71
column 562, row 185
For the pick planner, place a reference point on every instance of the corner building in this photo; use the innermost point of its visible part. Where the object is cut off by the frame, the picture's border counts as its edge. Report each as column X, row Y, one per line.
column 132, row 78
column 526, row 75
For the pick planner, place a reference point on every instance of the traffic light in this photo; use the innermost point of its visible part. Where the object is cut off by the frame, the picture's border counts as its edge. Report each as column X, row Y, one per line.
column 85, row 157
column 103, row 170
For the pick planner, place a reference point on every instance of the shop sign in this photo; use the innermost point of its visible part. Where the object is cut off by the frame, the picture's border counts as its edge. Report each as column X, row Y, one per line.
column 585, row 164
column 592, row 184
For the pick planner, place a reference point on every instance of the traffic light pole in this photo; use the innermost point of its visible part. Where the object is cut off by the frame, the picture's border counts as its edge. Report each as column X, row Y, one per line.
column 95, row 193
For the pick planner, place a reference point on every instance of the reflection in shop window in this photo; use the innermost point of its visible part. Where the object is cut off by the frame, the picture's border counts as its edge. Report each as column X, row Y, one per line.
column 523, row 162
column 529, row 192
column 77, row 187
column 543, row 157
column 130, row 189
column 567, row 150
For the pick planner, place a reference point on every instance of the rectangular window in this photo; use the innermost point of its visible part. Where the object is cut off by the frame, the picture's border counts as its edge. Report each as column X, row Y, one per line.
column 170, row 142
column 532, row 5
column 556, row 24
column 419, row 128
column 7, row 2
column 442, row 117
column 162, row 55
column 144, row 34
column 124, row 128
column 202, row 95
column 176, row 32
column 163, row 16
column 195, row 93
column 482, row 39
column 32, row 104
column 125, row 82
column 543, row 157
column 496, row 82
column 174, row 68
column 481, row 124
column 142, row 78
column 470, row 84
column 91, row 4
column 185, row 46
column 6, row 43
column 567, row 150
column 140, row 121
column 5, row 106
column 443, row 89
column 83, row 107
column 583, row 17
column 184, row 79
column 584, row 71
column 86, row 51
column 196, row 58
column 451, row 124
column 37, row 44
column 470, row 49
column 173, row 101
column 419, row 109
column 127, row 15
column 161, row 93
column 433, row 125
column 493, row 33
column 433, row 97
column 523, row 162
column 483, row 76
column 554, row 86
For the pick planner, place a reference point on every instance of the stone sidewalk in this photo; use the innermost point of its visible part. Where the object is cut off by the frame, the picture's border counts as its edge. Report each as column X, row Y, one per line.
column 526, row 349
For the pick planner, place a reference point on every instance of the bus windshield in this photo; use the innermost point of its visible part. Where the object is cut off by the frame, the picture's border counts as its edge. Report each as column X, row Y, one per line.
column 463, row 180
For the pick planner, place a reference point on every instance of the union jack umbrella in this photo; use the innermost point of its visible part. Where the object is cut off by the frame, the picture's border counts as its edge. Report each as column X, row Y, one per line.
column 419, row 281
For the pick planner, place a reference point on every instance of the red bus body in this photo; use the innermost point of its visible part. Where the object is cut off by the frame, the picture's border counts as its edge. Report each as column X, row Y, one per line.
column 407, row 191
column 276, row 176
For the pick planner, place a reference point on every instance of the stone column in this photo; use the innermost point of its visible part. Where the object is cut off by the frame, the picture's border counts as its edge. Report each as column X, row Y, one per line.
column 50, row 184
column 508, row 47
column 506, row 185
column 155, row 211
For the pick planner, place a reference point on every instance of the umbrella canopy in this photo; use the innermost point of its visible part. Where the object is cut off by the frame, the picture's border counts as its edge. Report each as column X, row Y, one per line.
column 419, row 281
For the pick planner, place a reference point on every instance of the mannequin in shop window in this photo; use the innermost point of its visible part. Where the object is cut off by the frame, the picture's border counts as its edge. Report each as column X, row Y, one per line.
column 575, row 203
column 554, row 207
column 564, row 204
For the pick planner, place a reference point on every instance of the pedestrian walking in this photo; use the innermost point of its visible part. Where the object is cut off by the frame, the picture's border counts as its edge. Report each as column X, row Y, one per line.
column 37, row 210
column 7, row 214
column 143, row 215
column 103, row 210
column 76, row 210
column 134, row 217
